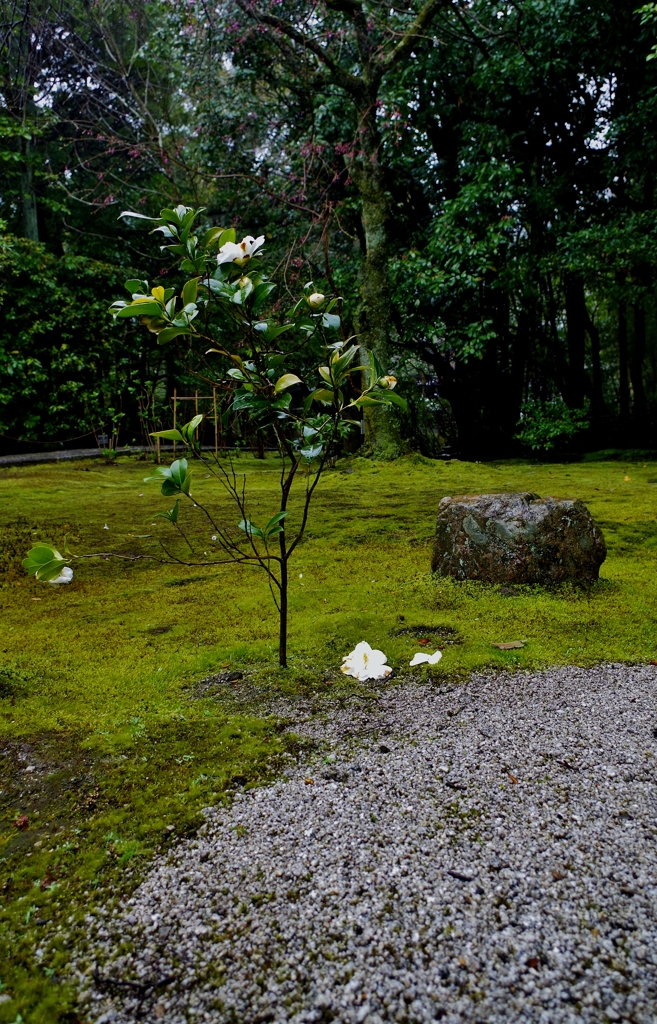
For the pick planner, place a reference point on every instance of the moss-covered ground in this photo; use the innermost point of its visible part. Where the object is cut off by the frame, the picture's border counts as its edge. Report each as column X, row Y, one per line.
column 110, row 748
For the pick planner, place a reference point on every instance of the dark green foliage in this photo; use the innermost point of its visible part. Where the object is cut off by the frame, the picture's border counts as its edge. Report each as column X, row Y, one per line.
column 484, row 207
column 65, row 368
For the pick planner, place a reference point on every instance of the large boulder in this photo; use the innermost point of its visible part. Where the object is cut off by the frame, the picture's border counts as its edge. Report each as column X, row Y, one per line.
column 517, row 538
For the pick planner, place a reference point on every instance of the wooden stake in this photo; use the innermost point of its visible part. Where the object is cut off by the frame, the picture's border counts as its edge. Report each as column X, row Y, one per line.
column 175, row 405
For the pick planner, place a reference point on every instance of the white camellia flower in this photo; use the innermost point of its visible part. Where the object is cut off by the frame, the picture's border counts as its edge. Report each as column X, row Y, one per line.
column 240, row 252
column 388, row 381
column 363, row 663
column 315, row 300
column 420, row 658
column 65, row 576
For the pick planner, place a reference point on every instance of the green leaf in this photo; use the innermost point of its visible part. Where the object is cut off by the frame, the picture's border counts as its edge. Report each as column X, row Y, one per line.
column 322, row 395
column 189, row 428
column 137, row 287
column 190, row 291
column 168, row 435
column 172, row 515
column 274, row 525
column 339, row 363
column 286, row 381
column 253, row 531
column 177, row 477
column 284, row 402
column 50, row 571
column 260, row 293
column 44, row 562
column 138, row 216
column 169, row 333
column 227, row 236
column 270, row 331
column 392, row 398
column 366, row 400
column 41, row 554
column 180, row 474
column 331, row 321
column 145, row 307
column 211, row 236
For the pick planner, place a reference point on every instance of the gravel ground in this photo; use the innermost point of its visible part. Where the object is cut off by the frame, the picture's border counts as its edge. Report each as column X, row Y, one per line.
column 484, row 853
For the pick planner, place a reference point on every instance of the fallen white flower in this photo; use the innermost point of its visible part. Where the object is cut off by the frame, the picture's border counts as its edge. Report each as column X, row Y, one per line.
column 240, row 252
column 65, row 576
column 420, row 658
column 363, row 663
column 105, row 527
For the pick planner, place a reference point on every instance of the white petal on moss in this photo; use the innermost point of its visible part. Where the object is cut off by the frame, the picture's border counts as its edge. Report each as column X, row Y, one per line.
column 65, row 576
column 421, row 658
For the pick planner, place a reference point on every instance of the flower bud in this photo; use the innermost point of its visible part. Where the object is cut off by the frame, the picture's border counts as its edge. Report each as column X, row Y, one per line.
column 388, row 381
column 316, row 300
column 245, row 283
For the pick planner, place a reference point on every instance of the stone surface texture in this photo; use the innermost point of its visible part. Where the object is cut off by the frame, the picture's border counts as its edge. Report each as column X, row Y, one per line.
column 477, row 853
column 517, row 538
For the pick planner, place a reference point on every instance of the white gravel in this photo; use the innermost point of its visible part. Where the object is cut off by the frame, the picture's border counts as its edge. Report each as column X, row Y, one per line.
column 482, row 853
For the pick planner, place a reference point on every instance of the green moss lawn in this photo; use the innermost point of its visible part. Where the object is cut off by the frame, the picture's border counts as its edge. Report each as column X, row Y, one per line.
column 110, row 751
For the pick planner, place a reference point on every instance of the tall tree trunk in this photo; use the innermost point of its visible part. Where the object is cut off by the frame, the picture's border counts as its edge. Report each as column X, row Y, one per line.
column 623, row 382
column 597, row 397
column 576, row 317
column 28, row 195
column 374, row 316
column 636, row 365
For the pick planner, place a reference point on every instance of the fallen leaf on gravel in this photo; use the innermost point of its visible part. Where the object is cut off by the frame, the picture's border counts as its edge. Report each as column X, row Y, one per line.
column 513, row 778
column 425, row 642
column 653, row 662
column 533, row 961
column 461, row 875
column 558, row 875
column 510, row 646
column 310, row 782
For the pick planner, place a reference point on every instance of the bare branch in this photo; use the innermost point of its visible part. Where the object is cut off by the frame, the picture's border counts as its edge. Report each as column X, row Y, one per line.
column 412, row 36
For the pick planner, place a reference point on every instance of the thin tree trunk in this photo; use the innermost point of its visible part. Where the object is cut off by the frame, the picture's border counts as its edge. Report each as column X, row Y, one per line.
column 623, row 382
column 576, row 318
column 597, row 398
column 282, row 631
column 636, row 365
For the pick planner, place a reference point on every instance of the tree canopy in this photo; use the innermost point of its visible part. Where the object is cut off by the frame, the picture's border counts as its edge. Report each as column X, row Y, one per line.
column 475, row 179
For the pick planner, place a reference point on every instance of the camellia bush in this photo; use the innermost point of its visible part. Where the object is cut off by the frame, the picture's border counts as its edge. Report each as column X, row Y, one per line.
column 293, row 375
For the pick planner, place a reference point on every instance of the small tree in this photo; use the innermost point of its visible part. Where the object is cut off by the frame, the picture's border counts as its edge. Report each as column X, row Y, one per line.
column 258, row 357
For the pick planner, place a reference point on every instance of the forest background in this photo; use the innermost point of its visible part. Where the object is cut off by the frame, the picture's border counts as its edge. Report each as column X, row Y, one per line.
column 475, row 179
